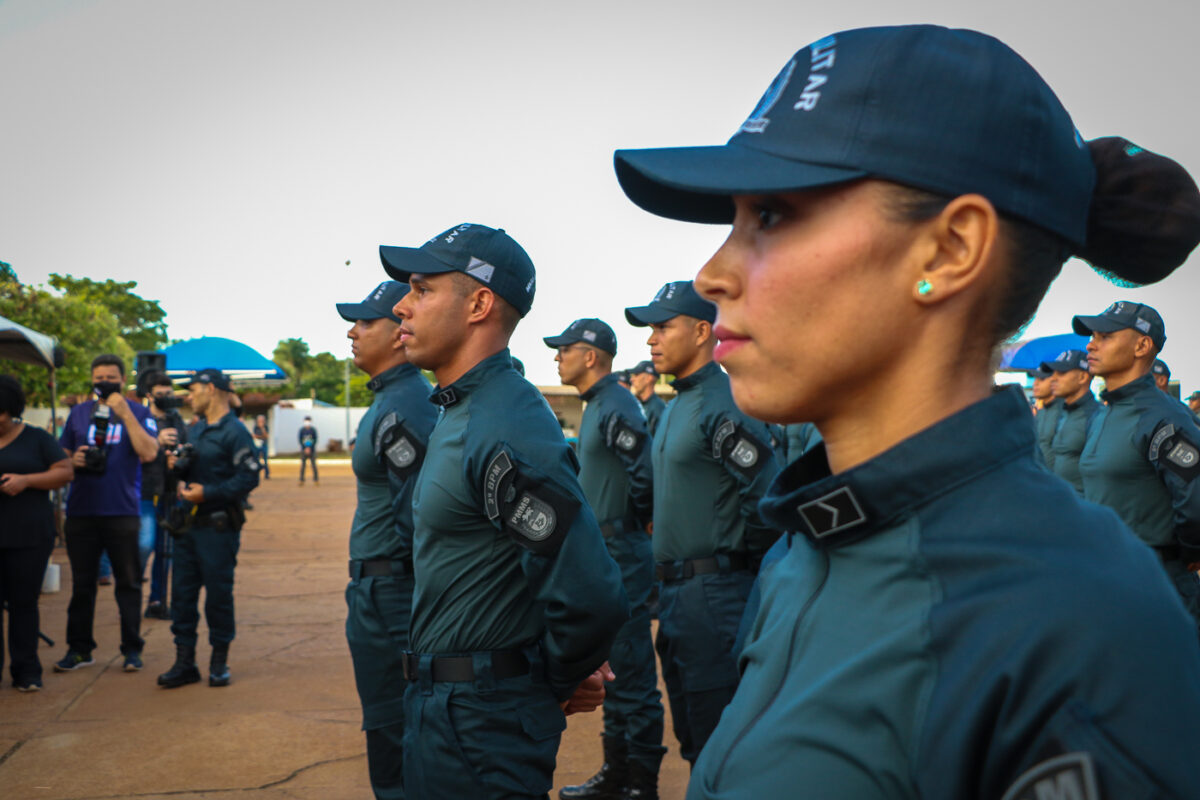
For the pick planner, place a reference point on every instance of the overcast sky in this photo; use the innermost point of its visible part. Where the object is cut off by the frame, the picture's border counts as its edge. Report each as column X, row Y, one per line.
column 232, row 156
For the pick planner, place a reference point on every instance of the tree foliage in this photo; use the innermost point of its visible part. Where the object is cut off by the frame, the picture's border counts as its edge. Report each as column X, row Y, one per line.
column 84, row 329
column 321, row 376
column 140, row 322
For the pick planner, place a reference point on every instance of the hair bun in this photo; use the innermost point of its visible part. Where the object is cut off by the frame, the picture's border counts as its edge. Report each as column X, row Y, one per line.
column 1145, row 215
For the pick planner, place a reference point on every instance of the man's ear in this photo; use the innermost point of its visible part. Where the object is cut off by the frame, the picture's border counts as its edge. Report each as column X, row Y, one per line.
column 480, row 303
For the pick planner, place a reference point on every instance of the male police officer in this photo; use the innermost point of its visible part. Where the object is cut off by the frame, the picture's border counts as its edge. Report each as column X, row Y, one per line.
column 615, row 472
column 1161, row 373
column 391, row 438
column 1142, row 456
column 1047, row 411
column 712, row 463
column 1072, row 388
column 215, row 480
column 642, row 380
column 517, row 601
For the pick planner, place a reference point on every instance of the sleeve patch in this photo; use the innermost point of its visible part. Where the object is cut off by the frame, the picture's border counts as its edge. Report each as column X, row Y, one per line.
column 621, row 436
column 1070, row 777
column 1174, row 450
column 536, row 516
column 246, row 458
column 397, row 448
column 741, row 453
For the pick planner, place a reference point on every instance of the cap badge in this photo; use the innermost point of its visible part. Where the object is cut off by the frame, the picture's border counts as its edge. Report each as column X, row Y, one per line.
column 589, row 335
column 758, row 121
column 480, row 270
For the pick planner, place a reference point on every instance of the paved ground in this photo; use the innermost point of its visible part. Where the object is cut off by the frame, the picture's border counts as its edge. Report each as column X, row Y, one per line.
column 288, row 726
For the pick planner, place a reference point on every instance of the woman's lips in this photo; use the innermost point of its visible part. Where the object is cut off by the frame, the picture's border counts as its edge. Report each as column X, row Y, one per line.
column 727, row 342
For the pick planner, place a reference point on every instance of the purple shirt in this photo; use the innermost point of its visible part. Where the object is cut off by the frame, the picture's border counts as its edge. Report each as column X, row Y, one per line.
column 118, row 490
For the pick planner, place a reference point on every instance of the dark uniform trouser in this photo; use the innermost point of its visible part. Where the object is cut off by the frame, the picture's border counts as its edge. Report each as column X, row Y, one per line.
column 379, row 611
column 304, row 459
column 632, row 704
column 204, row 556
column 87, row 537
column 485, row 739
column 698, row 622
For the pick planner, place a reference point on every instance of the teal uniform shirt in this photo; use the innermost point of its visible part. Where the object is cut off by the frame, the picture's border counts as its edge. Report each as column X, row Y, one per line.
column 924, row 638
column 225, row 462
column 1067, row 444
column 712, row 463
column 653, row 407
column 1046, row 423
column 799, row 438
column 614, row 454
column 506, row 552
column 391, row 441
column 1142, row 459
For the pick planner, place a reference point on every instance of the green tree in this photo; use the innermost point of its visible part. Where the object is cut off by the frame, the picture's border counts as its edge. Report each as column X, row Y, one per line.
column 293, row 356
column 141, row 322
column 7, row 273
column 360, row 395
column 84, row 329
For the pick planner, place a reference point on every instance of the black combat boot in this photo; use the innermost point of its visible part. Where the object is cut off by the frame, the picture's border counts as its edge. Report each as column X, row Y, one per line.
column 607, row 784
column 184, row 671
column 643, row 783
column 218, row 670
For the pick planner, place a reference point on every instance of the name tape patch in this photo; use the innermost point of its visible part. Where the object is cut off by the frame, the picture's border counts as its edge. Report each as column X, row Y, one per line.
column 1066, row 777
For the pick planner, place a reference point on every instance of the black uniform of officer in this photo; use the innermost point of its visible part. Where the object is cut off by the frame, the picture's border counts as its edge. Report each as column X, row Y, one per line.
column 616, row 474
column 712, row 464
column 213, row 483
column 517, row 601
column 391, row 439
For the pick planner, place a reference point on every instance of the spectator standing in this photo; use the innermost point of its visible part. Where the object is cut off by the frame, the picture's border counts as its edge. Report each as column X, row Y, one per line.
column 108, row 439
column 262, row 439
column 31, row 464
column 308, row 438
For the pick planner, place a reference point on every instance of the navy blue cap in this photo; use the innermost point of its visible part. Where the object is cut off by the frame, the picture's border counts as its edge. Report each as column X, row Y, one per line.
column 213, row 377
column 1040, row 373
column 948, row 111
column 591, row 331
column 1066, row 361
column 1124, row 314
column 378, row 305
column 489, row 255
column 644, row 368
column 1160, row 368
column 673, row 299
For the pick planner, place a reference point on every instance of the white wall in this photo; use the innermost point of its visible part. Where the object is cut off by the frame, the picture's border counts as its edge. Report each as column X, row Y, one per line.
column 330, row 423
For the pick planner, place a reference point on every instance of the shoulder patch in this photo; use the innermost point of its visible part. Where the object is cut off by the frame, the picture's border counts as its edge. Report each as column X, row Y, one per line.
column 741, row 452
column 497, row 470
column 1174, row 450
column 619, row 435
column 245, row 457
column 535, row 515
column 397, row 449
column 1066, row 777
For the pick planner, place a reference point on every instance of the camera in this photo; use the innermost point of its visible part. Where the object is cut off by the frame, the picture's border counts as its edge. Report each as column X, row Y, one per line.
column 95, row 458
column 184, row 455
column 168, row 402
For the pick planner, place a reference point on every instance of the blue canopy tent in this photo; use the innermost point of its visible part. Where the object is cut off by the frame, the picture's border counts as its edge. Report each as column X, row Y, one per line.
column 1028, row 355
column 238, row 361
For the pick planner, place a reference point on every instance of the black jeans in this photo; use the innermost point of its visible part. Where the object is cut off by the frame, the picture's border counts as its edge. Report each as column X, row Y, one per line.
column 86, row 538
column 21, row 572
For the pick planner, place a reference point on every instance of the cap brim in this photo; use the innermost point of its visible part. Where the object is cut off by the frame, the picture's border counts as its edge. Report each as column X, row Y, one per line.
column 1057, row 366
column 353, row 312
column 1084, row 326
column 560, row 341
column 401, row 262
column 695, row 184
column 641, row 316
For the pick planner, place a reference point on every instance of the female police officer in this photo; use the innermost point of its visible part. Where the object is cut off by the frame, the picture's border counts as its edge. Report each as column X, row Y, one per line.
column 901, row 198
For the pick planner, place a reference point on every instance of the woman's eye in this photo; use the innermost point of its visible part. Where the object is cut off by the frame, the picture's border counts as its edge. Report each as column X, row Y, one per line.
column 768, row 217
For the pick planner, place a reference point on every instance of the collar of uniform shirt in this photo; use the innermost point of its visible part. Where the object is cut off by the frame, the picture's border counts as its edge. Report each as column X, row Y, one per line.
column 476, row 375
column 390, row 375
column 697, row 377
column 598, row 385
column 1130, row 389
column 919, row 469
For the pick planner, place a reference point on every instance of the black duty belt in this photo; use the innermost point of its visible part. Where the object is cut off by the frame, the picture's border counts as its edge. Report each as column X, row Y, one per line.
column 505, row 664
column 378, row 567
column 689, row 567
column 218, row 520
column 615, row 527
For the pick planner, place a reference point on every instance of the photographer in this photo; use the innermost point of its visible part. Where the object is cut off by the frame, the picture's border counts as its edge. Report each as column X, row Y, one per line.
column 31, row 464
column 158, row 490
column 108, row 440
column 215, row 476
